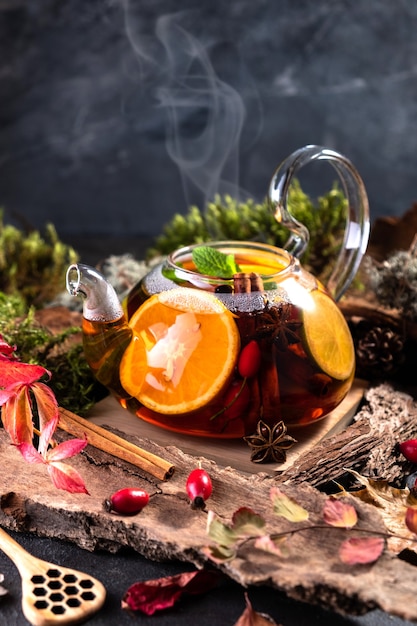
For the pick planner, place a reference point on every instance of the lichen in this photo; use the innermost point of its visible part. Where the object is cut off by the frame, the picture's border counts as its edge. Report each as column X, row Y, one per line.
column 394, row 282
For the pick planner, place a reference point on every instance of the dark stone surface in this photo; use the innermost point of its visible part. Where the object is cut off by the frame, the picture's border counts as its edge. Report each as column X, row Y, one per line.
column 116, row 114
column 221, row 606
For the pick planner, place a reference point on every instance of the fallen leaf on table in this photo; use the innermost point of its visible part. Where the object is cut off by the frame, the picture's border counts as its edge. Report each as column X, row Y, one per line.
column 287, row 507
column 250, row 617
column 361, row 550
column 392, row 504
column 158, row 594
column 339, row 514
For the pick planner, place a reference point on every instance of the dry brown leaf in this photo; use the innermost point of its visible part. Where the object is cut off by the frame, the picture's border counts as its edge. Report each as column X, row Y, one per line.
column 392, row 504
column 250, row 617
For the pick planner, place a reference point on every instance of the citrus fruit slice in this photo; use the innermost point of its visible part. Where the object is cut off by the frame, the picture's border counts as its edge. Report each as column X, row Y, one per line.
column 184, row 349
column 326, row 336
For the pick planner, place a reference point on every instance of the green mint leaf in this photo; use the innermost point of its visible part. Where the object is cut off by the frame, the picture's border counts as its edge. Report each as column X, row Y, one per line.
column 212, row 262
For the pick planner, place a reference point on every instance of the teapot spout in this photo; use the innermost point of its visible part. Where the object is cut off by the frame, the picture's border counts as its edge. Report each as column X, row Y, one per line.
column 106, row 333
column 101, row 303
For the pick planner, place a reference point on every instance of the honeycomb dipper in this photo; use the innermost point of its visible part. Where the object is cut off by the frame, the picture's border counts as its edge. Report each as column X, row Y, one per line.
column 52, row 594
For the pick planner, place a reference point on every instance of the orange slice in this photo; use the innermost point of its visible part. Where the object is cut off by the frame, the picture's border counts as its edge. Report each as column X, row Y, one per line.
column 326, row 336
column 183, row 352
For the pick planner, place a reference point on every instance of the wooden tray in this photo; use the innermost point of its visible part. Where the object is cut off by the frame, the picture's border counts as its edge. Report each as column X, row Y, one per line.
column 231, row 452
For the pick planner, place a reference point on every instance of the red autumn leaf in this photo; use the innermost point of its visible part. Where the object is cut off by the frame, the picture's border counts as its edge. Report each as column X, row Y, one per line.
column 5, row 395
column 6, row 351
column 66, row 477
column 20, row 388
column 339, row 514
column 62, row 475
column 411, row 519
column 15, row 372
column 66, row 449
column 46, row 403
column 16, row 415
column 162, row 593
column 47, row 433
column 250, row 617
column 361, row 550
column 30, row 453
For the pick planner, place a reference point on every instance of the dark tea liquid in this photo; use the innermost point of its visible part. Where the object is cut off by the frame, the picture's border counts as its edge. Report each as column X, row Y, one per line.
column 289, row 383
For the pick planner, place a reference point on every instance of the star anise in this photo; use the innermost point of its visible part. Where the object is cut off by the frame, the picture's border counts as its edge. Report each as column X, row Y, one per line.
column 276, row 324
column 269, row 444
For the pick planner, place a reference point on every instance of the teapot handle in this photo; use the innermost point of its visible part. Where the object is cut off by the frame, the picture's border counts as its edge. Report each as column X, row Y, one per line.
column 357, row 218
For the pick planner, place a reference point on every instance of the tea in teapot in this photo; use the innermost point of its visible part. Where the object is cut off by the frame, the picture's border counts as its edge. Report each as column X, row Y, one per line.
column 222, row 334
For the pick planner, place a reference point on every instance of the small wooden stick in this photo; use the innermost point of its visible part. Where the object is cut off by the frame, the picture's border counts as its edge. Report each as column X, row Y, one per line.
column 241, row 282
column 245, row 283
column 116, row 446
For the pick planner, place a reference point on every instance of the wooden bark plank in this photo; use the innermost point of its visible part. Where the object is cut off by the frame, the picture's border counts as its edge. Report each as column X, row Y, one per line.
column 169, row 529
column 369, row 445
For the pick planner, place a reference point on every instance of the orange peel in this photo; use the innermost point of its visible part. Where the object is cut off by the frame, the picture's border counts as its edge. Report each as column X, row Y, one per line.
column 183, row 351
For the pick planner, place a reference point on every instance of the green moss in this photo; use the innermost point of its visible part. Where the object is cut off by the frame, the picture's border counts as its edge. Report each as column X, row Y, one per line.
column 72, row 381
column 226, row 218
column 32, row 273
column 33, row 265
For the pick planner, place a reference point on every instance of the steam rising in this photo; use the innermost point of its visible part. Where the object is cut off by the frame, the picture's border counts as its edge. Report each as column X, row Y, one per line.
column 205, row 115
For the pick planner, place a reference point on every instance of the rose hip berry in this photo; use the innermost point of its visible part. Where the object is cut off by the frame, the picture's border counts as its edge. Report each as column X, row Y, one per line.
column 199, row 488
column 409, row 450
column 249, row 360
column 128, row 501
column 236, row 400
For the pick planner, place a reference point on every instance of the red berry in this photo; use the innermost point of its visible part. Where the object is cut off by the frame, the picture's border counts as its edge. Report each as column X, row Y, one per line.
column 236, row 400
column 128, row 501
column 411, row 519
column 249, row 360
column 199, row 488
column 409, row 450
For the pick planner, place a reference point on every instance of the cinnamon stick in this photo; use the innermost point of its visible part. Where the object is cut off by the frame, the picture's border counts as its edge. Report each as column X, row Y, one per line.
column 113, row 444
column 245, row 283
column 241, row 282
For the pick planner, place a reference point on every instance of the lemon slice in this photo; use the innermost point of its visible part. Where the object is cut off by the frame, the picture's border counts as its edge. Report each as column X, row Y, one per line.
column 326, row 337
column 184, row 349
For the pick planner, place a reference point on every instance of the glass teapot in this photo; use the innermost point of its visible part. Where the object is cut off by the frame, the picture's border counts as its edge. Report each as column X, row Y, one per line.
column 211, row 353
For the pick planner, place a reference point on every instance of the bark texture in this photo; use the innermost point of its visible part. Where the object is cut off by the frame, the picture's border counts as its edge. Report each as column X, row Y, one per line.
column 169, row 529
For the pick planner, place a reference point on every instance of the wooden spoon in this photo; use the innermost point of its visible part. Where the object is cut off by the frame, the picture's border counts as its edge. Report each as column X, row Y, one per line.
column 52, row 594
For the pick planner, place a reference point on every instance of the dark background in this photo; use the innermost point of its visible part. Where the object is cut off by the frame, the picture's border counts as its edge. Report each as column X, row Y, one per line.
column 115, row 114
column 221, row 606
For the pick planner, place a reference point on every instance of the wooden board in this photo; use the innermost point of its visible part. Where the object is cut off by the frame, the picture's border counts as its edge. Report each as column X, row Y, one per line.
column 231, row 452
column 169, row 529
